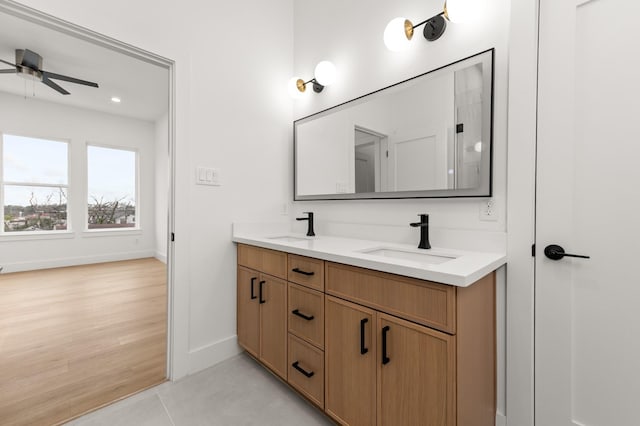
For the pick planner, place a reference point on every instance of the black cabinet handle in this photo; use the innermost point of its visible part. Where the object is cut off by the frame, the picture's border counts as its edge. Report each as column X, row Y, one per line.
column 385, row 358
column 302, row 370
column 363, row 350
column 298, row 271
column 253, row 281
column 260, row 292
column 297, row 312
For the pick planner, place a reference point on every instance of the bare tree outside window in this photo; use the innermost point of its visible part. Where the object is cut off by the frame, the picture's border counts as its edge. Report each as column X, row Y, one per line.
column 34, row 183
column 112, row 188
column 43, row 209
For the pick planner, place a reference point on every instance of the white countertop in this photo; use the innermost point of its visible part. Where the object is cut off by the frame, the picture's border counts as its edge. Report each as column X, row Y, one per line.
column 462, row 269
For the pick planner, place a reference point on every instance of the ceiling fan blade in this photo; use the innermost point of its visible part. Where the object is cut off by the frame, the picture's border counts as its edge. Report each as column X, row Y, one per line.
column 54, row 86
column 46, row 74
column 8, row 63
column 13, row 71
column 31, row 59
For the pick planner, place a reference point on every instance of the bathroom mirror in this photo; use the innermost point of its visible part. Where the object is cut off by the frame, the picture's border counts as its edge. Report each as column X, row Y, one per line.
column 426, row 137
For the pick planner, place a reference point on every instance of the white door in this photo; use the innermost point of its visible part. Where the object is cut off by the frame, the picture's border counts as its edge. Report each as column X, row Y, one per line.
column 417, row 164
column 587, row 326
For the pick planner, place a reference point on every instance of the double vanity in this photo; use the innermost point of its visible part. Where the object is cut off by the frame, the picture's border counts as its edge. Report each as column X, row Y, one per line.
column 377, row 333
column 369, row 332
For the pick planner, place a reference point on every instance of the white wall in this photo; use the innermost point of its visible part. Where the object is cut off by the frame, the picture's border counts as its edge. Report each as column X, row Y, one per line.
column 35, row 118
column 350, row 35
column 232, row 64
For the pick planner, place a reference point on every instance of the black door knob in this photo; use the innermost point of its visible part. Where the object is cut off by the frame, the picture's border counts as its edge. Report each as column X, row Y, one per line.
column 555, row 252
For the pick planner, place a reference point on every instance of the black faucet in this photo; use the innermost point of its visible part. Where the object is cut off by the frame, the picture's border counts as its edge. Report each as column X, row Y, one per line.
column 424, row 231
column 310, row 232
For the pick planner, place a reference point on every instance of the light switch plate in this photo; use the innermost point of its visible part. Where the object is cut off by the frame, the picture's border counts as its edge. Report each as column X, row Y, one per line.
column 208, row 176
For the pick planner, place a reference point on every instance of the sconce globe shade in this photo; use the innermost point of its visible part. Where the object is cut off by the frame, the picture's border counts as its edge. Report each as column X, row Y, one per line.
column 394, row 35
column 460, row 11
column 292, row 88
column 325, row 73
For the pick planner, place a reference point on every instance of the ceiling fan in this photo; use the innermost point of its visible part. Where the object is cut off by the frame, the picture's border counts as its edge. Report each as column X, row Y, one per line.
column 29, row 63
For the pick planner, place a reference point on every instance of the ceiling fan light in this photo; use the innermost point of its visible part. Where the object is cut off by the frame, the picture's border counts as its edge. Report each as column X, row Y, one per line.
column 29, row 65
column 116, row 100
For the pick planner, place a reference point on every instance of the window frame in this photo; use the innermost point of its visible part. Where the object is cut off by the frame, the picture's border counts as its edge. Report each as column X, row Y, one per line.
column 68, row 186
column 133, row 230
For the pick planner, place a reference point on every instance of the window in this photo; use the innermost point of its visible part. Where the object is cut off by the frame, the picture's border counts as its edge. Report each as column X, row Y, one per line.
column 34, row 184
column 111, row 188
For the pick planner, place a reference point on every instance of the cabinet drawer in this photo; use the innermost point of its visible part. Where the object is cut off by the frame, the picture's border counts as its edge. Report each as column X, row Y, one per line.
column 420, row 301
column 264, row 260
column 306, row 370
column 306, row 271
column 306, row 314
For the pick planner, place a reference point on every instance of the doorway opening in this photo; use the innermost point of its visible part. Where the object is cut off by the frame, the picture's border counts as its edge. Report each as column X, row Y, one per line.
column 370, row 160
column 86, row 295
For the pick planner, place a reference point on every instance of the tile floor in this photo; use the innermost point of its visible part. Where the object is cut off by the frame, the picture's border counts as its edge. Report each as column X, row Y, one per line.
column 235, row 392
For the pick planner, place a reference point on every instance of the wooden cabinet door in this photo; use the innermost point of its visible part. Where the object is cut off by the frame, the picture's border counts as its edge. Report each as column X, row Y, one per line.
column 416, row 374
column 248, row 311
column 350, row 375
column 272, row 297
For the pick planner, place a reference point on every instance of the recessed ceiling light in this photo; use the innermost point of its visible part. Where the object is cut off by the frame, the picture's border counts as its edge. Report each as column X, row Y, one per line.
column 116, row 100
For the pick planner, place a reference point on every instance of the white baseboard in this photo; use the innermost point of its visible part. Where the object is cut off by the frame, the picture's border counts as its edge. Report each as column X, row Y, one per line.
column 73, row 261
column 501, row 419
column 162, row 257
column 209, row 355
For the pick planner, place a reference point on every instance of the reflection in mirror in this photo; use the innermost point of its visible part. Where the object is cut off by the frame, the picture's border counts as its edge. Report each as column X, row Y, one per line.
column 429, row 136
column 368, row 164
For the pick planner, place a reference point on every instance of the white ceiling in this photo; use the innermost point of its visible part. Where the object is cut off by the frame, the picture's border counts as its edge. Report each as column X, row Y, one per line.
column 143, row 87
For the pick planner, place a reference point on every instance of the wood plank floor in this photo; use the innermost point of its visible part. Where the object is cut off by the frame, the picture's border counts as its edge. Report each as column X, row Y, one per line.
column 74, row 339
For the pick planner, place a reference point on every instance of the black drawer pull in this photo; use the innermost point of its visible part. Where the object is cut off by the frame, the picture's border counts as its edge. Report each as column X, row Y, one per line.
column 302, row 370
column 297, row 312
column 363, row 350
column 253, row 294
column 261, row 287
column 299, row 271
column 385, row 358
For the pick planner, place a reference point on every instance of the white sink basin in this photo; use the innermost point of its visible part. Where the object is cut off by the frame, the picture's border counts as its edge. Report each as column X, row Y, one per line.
column 421, row 256
column 288, row 239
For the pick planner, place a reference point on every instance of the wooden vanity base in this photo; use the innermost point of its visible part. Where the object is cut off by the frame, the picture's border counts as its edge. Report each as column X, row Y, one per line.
column 369, row 347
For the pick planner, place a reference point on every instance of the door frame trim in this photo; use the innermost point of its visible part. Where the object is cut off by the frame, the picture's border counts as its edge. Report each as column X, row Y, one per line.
column 521, row 184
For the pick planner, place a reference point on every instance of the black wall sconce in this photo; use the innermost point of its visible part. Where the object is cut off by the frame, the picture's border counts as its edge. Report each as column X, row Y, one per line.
column 323, row 75
column 399, row 31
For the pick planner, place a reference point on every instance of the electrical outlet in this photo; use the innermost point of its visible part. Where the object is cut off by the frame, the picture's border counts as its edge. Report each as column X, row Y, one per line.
column 488, row 212
column 284, row 209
